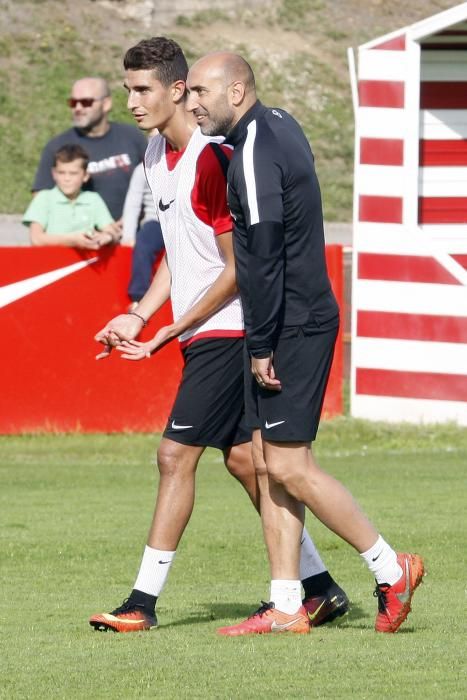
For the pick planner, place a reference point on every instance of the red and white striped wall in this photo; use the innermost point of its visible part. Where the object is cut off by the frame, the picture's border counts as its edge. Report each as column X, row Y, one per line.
column 409, row 295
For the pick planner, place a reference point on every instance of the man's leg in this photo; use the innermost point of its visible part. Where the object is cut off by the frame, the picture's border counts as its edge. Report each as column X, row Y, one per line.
column 176, row 493
column 282, row 519
column 324, row 600
column 293, row 474
column 292, row 466
column 174, row 504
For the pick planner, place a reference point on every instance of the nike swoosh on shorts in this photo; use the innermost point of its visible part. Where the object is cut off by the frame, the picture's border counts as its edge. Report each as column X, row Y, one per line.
column 273, row 425
column 180, row 427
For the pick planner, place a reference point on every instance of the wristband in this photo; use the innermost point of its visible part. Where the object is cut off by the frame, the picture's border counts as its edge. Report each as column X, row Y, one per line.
column 133, row 313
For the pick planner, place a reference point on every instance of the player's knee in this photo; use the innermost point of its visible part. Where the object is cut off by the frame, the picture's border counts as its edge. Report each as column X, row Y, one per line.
column 239, row 461
column 169, row 459
column 280, row 473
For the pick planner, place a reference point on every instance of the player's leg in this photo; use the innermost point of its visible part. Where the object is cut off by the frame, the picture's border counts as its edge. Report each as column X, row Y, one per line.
column 179, row 451
column 282, row 519
column 397, row 575
column 174, row 504
column 303, row 364
column 289, row 421
column 239, row 462
column 324, row 599
column 176, row 493
column 292, row 466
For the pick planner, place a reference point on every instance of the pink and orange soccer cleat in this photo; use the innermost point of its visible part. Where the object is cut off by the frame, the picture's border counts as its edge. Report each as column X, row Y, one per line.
column 394, row 601
column 267, row 619
column 127, row 618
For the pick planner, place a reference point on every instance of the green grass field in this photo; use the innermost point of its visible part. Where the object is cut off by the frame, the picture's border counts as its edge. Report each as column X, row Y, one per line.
column 74, row 513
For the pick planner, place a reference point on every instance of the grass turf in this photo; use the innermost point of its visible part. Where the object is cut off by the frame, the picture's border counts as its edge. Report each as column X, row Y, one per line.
column 74, row 512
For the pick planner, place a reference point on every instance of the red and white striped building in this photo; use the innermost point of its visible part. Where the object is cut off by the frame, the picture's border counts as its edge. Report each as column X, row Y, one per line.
column 409, row 290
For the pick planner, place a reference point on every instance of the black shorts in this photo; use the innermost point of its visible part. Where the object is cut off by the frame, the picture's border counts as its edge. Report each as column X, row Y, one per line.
column 302, row 362
column 209, row 407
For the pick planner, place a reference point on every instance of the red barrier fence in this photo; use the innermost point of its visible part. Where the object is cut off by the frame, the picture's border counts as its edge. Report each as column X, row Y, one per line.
column 52, row 302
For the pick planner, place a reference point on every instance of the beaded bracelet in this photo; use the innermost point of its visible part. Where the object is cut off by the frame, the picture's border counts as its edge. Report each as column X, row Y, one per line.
column 133, row 313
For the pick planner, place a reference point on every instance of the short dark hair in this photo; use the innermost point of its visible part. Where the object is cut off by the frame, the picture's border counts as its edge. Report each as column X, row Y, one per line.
column 70, row 152
column 163, row 56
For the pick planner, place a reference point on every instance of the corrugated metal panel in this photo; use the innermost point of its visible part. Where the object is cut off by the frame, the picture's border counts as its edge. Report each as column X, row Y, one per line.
column 442, row 183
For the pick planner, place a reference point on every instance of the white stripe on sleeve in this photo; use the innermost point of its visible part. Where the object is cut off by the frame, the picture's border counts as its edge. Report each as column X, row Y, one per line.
column 249, row 173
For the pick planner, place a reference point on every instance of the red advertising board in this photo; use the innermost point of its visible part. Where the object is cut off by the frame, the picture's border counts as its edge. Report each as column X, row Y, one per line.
column 52, row 302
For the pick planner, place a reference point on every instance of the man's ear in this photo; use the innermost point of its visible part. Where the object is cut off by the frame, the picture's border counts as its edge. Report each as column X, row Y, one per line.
column 86, row 176
column 237, row 92
column 107, row 104
column 178, row 90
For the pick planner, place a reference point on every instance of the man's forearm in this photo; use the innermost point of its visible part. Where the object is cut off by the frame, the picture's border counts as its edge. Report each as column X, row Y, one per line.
column 266, row 281
column 157, row 294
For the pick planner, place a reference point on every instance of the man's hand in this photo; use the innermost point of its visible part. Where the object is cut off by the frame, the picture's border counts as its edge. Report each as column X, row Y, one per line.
column 263, row 371
column 134, row 350
column 121, row 328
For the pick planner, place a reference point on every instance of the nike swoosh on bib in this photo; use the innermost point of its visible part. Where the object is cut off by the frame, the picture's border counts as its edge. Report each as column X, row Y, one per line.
column 273, row 425
column 17, row 290
column 164, row 207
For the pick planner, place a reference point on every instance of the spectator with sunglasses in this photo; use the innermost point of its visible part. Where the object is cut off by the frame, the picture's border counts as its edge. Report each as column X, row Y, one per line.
column 114, row 149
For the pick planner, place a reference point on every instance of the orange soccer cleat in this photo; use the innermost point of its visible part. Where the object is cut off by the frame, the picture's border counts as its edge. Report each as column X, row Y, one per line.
column 267, row 619
column 127, row 618
column 394, row 601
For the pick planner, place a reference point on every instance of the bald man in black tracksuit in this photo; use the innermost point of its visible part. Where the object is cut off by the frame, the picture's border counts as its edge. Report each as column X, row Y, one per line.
column 275, row 200
column 291, row 321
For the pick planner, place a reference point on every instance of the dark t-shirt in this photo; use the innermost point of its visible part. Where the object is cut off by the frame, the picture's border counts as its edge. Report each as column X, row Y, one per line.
column 112, row 159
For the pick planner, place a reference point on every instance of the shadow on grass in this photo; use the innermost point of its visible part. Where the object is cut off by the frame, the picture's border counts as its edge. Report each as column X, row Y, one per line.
column 354, row 620
column 240, row 611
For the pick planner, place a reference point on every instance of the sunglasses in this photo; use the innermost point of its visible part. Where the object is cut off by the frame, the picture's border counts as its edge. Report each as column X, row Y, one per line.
column 84, row 101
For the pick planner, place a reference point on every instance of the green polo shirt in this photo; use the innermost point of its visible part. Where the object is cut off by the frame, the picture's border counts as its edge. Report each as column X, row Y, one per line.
column 58, row 214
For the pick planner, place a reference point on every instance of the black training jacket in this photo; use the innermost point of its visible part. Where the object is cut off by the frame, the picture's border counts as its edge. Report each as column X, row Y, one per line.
column 275, row 201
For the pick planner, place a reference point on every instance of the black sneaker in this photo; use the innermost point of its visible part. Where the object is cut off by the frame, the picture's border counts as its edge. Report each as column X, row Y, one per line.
column 325, row 608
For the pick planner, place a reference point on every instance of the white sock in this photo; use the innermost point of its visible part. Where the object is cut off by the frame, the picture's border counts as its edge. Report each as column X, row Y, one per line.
column 154, row 569
column 311, row 563
column 286, row 595
column 381, row 559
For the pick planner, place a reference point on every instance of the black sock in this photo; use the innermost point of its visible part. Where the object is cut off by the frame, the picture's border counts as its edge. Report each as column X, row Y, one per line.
column 318, row 584
column 143, row 600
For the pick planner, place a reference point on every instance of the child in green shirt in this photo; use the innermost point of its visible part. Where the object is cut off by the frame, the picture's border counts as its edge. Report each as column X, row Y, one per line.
column 66, row 215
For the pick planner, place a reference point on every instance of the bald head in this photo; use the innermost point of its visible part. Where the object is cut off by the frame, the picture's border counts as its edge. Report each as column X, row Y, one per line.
column 227, row 66
column 97, row 87
column 91, row 117
column 222, row 89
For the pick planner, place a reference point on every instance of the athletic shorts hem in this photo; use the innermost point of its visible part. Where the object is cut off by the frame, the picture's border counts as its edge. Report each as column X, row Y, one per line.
column 185, row 440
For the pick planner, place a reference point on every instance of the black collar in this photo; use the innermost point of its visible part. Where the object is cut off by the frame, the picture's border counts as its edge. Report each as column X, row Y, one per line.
column 237, row 133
